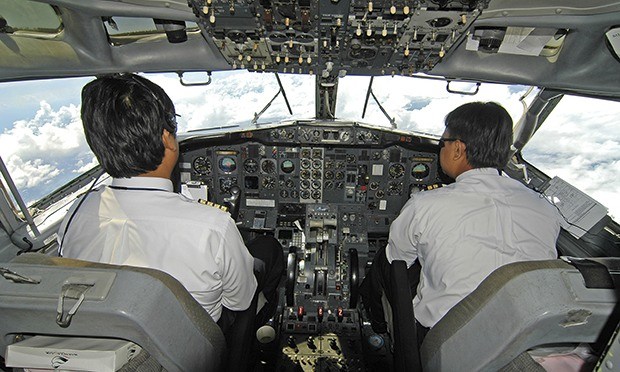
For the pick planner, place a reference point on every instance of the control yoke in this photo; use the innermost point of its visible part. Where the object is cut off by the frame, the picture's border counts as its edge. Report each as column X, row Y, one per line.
column 234, row 201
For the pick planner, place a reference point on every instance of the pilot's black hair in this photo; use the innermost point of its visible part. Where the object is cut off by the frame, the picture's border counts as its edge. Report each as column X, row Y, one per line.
column 124, row 117
column 486, row 130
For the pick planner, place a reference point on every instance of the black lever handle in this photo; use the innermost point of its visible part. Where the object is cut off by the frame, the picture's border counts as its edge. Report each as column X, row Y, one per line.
column 234, row 201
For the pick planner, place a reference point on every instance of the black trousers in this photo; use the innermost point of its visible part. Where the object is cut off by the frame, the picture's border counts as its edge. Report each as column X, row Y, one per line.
column 269, row 267
column 376, row 282
column 240, row 327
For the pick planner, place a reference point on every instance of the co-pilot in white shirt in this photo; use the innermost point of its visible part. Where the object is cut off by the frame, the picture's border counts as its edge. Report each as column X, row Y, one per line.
column 464, row 231
column 140, row 222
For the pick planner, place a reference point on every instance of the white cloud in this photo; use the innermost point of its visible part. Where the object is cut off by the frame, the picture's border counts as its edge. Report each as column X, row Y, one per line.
column 84, row 166
column 580, row 143
column 42, row 152
column 31, row 173
column 232, row 98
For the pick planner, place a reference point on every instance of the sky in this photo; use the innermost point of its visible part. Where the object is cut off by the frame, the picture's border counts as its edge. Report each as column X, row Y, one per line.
column 43, row 146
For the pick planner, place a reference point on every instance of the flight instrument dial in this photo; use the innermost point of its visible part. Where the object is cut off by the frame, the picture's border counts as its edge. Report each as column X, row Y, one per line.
column 420, row 171
column 202, row 165
column 396, row 170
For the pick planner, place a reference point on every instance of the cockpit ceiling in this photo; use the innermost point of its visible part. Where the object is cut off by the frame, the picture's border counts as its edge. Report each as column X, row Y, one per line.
column 552, row 43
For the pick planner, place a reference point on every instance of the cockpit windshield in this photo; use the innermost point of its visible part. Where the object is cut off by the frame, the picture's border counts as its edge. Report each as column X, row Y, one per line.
column 45, row 115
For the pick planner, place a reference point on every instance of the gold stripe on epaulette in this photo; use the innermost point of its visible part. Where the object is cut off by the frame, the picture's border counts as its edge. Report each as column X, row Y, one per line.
column 212, row 204
column 433, row 186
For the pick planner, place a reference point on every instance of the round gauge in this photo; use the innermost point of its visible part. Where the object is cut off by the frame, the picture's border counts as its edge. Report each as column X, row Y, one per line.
column 268, row 166
column 227, row 164
column 420, row 171
column 374, row 185
column 304, row 174
column 316, row 195
column 316, row 185
column 304, row 194
column 329, row 175
column 339, row 175
column 226, row 184
column 345, row 136
column 328, row 185
column 269, row 183
column 316, row 174
column 305, row 163
column 250, row 165
column 395, row 188
column 350, row 158
column 294, row 194
column 305, row 184
column 289, row 183
column 284, row 193
column 396, row 170
column 316, row 164
column 202, row 165
column 287, row 166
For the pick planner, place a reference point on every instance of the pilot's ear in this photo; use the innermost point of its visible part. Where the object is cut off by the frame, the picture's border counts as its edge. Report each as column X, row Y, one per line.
column 169, row 140
column 459, row 150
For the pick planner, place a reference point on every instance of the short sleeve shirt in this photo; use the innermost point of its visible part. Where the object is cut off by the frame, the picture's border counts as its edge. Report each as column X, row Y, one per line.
column 140, row 222
column 464, row 231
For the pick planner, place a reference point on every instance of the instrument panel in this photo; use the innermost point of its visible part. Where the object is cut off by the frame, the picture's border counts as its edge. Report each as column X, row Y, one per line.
column 284, row 171
column 328, row 193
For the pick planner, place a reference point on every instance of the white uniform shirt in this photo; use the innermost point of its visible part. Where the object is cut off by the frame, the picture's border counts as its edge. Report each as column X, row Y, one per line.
column 140, row 222
column 464, row 231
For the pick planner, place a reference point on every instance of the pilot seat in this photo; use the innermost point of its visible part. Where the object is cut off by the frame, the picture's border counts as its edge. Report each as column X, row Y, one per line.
column 519, row 307
column 64, row 297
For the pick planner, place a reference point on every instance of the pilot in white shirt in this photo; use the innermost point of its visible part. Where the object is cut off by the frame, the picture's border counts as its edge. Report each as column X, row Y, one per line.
column 464, row 231
column 130, row 125
column 140, row 221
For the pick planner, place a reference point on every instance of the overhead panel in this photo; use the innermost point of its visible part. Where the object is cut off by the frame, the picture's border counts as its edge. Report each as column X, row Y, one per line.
column 331, row 37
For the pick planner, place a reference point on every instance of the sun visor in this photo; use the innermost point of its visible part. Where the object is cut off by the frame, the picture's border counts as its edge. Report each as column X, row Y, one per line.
column 527, row 41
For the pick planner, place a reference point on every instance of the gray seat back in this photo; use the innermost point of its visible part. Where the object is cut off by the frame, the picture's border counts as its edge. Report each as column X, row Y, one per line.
column 516, row 308
column 145, row 306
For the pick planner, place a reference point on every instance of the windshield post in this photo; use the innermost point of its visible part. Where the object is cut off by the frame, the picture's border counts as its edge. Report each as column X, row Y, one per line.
column 326, row 94
column 542, row 105
column 6, row 212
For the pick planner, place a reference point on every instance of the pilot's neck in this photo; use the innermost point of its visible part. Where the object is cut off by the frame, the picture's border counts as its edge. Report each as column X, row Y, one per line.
column 168, row 162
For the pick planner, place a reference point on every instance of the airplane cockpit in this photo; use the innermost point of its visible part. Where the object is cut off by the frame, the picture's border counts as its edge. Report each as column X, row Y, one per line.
column 328, row 192
column 327, row 187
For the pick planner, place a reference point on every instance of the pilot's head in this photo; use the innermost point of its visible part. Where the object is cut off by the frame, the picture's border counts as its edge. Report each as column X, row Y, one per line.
column 477, row 135
column 130, row 124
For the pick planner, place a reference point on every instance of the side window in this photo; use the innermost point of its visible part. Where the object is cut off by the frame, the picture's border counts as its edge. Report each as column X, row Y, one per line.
column 580, row 143
column 41, row 141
